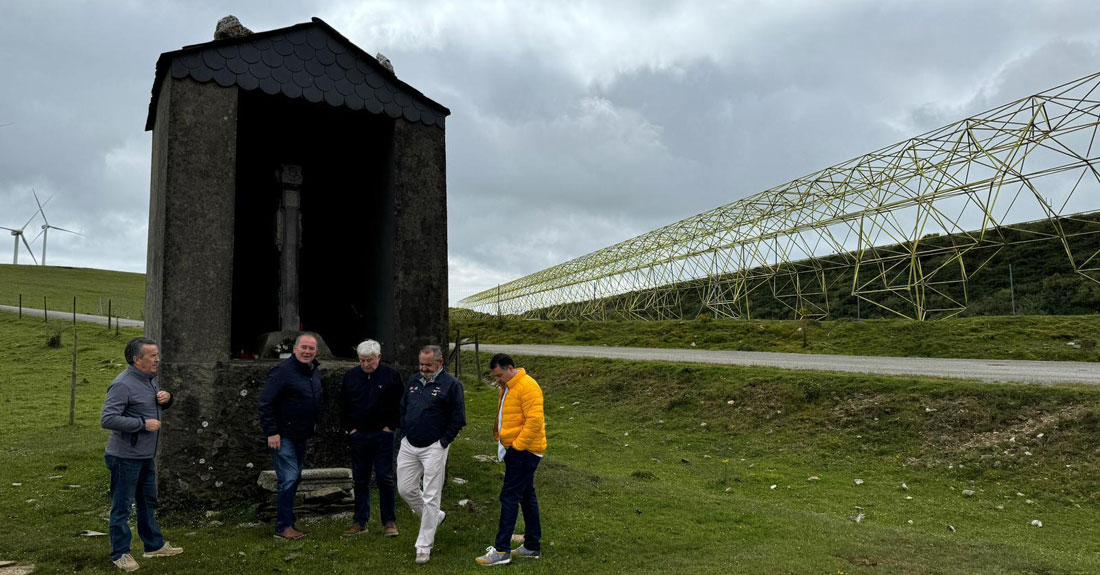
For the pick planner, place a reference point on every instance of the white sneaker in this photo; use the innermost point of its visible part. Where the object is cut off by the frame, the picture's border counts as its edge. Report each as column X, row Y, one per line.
column 422, row 557
column 523, row 552
column 165, row 551
column 126, row 563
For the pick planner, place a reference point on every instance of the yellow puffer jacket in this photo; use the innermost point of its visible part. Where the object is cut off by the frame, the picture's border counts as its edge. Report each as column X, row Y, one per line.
column 523, row 425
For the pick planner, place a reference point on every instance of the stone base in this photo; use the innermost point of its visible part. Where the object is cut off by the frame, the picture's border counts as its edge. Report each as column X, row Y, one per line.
column 323, row 491
column 312, row 479
column 211, row 445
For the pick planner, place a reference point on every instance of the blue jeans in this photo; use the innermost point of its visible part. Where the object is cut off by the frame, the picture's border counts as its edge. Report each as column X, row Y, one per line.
column 289, row 460
column 518, row 491
column 372, row 449
column 132, row 480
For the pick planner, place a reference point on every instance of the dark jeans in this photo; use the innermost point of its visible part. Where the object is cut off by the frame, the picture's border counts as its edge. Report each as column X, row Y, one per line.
column 372, row 449
column 518, row 491
column 132, row 480
column 289, row 460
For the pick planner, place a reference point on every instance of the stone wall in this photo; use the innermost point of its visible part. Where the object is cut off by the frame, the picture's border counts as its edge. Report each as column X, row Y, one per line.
column 212, row 448
column 419, row 167
column 190, row 253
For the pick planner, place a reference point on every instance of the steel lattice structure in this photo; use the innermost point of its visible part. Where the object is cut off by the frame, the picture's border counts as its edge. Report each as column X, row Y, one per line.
column 1034, row 159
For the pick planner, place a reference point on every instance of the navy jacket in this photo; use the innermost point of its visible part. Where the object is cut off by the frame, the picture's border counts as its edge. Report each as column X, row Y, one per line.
column 291, row 399
column 131, row 399
column 433, row 411
column 371, row 401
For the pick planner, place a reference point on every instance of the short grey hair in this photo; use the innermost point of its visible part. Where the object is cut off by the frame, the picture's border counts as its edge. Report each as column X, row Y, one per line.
column 298, row 339
column 368, row 348
column 435, row 350
column 136, row 347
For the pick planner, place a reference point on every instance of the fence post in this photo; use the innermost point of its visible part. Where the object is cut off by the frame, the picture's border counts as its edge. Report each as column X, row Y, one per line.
column 477, row 357
column 20, row 306
column 45, row 312
column 72, row 387
column 74, row 311
column 108, row 314
column 1012, row 289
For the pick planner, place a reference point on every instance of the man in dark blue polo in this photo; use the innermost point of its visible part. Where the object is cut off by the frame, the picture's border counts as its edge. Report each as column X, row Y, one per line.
column 433, row 411
column 370, row 399
column 288, row 414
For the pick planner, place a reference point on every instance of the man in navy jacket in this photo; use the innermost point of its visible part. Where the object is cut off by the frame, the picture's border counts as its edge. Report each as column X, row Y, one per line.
column 433, row 411
column 288, row 414
column 132, row 413
column 370, row 397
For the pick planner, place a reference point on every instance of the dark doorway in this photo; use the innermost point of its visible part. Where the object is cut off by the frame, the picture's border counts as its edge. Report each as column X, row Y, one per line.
column 347, row 207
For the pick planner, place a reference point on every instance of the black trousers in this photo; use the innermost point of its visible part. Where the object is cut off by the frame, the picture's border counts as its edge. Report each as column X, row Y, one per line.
column 518, row 492
column 372, row 450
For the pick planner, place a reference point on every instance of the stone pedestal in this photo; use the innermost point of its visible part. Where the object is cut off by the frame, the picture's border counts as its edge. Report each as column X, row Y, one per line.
column 323, row 491
column 211, row 438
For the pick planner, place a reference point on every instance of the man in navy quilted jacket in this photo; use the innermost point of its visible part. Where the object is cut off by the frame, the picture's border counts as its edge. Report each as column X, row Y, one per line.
column 288, row 414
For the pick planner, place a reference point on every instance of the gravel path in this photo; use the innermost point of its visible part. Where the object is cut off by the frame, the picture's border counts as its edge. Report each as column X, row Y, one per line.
column 67, row 316
column 1002, row 370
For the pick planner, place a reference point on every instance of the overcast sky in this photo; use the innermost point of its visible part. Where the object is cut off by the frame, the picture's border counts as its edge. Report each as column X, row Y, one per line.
column 574, row 125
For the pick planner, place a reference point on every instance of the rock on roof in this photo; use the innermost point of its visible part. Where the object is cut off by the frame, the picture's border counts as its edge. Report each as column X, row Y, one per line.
column 310, row 61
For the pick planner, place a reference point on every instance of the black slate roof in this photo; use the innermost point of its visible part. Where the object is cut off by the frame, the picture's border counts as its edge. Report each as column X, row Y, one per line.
column 311, row 61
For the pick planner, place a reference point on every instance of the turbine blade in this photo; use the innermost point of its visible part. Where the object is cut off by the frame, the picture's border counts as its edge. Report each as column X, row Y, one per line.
column 34, row 215
column 64, row 230
column 9, row 229
column 29, row 250
column 41, row 205
column 38, row 236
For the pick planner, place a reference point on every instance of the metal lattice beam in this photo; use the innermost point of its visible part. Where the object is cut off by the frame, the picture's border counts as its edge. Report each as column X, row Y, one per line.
column 869, row 216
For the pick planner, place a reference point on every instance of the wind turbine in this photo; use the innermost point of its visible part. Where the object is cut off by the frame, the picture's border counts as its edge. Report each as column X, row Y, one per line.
column 17, row 233
column 46, row 227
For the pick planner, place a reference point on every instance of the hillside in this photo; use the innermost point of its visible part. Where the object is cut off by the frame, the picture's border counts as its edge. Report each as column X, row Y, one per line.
column 1042, row 279
column 1053, row 338
column 651, row 468
column 1030, row 337
column 92, row 289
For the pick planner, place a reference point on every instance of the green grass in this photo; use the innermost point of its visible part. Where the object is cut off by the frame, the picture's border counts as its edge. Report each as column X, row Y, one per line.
column 59, row 285
column 633, row 482
column 991, row 337
column 1021, row 337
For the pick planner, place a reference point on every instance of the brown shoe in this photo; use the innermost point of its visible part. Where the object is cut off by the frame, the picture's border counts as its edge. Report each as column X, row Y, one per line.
column 390, row 530
column 289, row 534
column 355, row 529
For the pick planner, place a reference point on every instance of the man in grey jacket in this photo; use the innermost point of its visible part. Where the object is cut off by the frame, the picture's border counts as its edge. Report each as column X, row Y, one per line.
column 132, row 413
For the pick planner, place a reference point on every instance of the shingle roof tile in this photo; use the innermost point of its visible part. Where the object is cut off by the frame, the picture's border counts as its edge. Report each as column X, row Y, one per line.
column 310, row 61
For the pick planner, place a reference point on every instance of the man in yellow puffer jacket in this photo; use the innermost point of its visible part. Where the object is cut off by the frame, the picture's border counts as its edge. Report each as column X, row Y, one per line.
column 521, row 435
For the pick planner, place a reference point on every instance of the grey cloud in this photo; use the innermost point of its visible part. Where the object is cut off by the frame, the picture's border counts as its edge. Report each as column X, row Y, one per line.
column 559, row 143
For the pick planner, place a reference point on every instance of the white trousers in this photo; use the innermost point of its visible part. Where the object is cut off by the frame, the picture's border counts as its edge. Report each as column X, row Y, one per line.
column 420, row 472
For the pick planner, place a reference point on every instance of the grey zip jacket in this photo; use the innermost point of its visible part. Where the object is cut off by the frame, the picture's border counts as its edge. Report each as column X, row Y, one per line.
column 131, row 399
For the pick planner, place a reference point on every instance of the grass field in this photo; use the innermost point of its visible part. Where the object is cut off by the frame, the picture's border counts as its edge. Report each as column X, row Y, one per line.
column 633, row 480
column 1023, row 337
column 59, row 285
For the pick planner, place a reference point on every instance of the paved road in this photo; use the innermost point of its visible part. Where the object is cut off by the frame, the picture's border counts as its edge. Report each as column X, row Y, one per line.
column 1044, row 372
column 67, row 316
